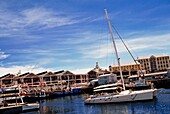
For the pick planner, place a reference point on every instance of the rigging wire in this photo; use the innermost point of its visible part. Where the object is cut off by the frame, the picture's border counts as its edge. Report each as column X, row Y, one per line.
column 100, row 43
column 107, row 56
column 127, row 48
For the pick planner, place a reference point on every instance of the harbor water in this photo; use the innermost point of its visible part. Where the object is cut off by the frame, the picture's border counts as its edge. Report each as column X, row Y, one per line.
column 75, row 105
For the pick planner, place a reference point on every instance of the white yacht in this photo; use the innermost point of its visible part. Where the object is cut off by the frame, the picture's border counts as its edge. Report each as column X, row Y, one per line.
column 124, row 95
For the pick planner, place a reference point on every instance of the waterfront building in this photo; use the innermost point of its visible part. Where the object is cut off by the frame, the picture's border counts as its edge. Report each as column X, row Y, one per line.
column 7, row 80
column 81, row 78
column 127, row 69
column 43, row 79
column 59, row 78
column 67, row 77
column 46, row 78
column 30, row 79
column 94, row 73
column 154, row 63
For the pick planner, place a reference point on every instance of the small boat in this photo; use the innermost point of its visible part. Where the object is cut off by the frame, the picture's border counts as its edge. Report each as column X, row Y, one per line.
column 25, row 106
column 29, row 106
column 58, row 93
column 9, row 98
column 138, row 83
column 11, row 89
column 124, row 95
column 78, row 88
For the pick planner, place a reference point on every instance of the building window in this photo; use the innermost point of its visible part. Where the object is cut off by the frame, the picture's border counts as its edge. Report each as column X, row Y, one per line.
column 153, row 63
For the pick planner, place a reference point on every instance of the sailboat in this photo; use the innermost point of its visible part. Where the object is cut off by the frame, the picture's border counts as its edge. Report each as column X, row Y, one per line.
column 124, row 95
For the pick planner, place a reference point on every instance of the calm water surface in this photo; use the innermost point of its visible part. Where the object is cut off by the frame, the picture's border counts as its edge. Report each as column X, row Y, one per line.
column 75, row 105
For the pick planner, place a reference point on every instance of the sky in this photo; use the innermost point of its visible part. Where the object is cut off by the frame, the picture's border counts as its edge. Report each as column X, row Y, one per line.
column 53, row 35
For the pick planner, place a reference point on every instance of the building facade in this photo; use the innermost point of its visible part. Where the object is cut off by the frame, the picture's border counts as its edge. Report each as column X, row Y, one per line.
column 95, row 72
column 42, row 79
column 154, row 63
column 127, row 70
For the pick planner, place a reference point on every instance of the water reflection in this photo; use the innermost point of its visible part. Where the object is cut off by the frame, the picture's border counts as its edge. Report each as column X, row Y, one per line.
column 75, row 105
column 114, row 109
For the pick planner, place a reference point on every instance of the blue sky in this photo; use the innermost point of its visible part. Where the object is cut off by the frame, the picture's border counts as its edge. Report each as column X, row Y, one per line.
column 39, row 35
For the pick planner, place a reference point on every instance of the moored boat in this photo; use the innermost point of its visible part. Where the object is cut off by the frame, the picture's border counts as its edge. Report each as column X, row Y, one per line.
column 30, row 106
column 25, row 106
column 124, row 95
column 16, row 99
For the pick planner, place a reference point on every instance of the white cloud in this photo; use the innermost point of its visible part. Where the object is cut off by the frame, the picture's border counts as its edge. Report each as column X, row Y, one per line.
column 150, row 42
column 81, row 71
column 35, row 69
column 68, row 60
column 3, row 55
column 158, row 42
column 87, row 69
column 82, row 38
column 97, row 51
column 23, row 69
column 31, row 19
column 46, row 17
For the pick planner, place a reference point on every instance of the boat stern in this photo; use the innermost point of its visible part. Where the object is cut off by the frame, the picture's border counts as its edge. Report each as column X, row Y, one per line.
column 154, row 93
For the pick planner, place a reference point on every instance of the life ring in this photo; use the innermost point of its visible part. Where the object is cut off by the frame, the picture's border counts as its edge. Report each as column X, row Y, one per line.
column 22, row 93
column 89, row 96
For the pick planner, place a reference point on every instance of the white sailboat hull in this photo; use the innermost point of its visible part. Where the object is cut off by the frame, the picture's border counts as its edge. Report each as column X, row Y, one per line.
column 124, row 96
column 26, row 106
column 31, row 106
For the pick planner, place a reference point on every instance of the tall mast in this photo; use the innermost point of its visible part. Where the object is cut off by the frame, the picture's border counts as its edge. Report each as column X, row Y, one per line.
column 118, row 59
